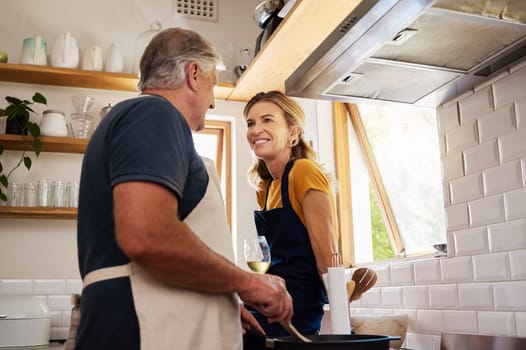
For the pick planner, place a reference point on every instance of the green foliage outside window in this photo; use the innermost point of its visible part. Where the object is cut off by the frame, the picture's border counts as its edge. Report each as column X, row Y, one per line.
column 382, row 249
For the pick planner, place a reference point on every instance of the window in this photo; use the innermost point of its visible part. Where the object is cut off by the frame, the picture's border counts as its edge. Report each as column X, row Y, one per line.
column 214, row 142
column 400, row 151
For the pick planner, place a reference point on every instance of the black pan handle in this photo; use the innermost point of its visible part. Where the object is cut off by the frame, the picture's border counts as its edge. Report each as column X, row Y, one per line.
column 258, row 339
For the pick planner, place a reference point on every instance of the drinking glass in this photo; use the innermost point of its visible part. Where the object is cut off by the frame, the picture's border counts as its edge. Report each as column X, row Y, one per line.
column 257, row 253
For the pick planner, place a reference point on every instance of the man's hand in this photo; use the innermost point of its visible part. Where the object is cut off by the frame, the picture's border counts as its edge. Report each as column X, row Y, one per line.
column 268, row 295
column 249, row 322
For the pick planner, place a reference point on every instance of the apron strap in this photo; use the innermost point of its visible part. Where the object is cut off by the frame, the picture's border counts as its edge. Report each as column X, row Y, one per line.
column 106, row 273
column 285, row 201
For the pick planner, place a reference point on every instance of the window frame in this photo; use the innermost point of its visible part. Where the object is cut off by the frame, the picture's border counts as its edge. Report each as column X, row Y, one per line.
column 223, row 131
column 343, row 113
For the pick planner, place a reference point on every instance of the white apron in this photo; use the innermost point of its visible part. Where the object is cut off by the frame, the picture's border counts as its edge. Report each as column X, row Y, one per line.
column 174, row 318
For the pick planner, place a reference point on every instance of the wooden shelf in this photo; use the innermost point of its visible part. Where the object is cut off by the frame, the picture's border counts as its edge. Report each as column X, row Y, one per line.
column 49, row 144
column 307, row 24
column 38, row 213
column 32, row 74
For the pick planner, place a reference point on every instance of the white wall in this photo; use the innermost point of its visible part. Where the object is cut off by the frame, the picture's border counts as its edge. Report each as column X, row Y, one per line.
column 480, row 288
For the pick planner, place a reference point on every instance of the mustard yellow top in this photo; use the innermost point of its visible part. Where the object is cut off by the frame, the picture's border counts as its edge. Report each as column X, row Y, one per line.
column 305, row 175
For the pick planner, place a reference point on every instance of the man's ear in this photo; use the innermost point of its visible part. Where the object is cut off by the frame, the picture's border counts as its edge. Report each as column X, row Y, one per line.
column 192, row 74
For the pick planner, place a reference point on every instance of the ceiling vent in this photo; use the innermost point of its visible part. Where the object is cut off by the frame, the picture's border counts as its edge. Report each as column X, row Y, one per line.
column 196, row 9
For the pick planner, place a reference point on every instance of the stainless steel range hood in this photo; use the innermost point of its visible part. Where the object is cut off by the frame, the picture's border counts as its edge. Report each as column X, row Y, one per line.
column 420, row 52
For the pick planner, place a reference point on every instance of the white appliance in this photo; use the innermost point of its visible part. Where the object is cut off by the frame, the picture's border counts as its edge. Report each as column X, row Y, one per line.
column 24, row 321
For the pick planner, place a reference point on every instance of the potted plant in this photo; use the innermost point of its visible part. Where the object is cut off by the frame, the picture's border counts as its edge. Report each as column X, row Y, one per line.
column 18, row 121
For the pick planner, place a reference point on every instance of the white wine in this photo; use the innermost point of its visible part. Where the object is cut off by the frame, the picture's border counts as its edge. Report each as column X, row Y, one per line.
column 259, row 266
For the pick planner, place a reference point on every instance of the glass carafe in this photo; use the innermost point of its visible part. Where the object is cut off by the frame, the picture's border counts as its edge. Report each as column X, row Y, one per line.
column 82, row 123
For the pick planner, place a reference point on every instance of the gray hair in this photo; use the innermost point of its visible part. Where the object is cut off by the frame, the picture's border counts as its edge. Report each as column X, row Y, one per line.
column 165, row 59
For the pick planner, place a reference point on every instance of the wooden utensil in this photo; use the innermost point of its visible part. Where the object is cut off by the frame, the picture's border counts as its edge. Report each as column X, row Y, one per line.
column 293, row 331
column 364, row 279
column 350, row 289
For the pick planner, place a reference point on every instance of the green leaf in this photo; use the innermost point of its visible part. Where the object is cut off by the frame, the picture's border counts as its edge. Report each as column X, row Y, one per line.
column 3, row 196
column 39, row 98
column 13, row 100
column 3, row 181
column 27, row 162
column 1, row 151
column 37, row 146
column 33, row 129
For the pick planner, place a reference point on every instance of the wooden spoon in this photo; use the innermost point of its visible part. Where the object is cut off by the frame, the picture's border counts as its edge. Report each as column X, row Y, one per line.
column 364, row 279
column 350, row 289
column 293, row 331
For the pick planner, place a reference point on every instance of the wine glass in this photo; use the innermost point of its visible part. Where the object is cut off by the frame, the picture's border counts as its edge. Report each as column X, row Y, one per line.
column 257, row 253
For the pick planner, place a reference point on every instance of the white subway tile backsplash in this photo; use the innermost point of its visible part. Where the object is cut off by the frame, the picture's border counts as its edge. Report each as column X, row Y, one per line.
column 515, row 204
column 520, row 323
column 496, row 323
column 518, row 264
column 49, row 286
column 373, row 298
column 427, row 271
column 471, row 241
column 443, row 296
column 510, row 295
column 475, row 296
column 497, row 123
column 402, row 274
column 503, row 178
column 512, row 146
column 412, row 319
column 430, row 321
column 491, row 267
column 483, row 156
column 383, row 273
column 487, row 211
column 467, row 188
column 475, row 105
column 16, row 287
column 65, row 318
column 462, row 137
column 59, row 302
column 416, row 297
column 457, row 217
column 73, row 286
column 55, row 317
column 510, row 88
column 448, row 118
column 392, row 296
column 452, row 166
column 460, row 321
column 507, row 236
column 59, row 333
column 459, row 269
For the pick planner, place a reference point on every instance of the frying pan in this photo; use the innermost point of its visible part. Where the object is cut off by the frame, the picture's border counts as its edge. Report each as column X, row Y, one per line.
column 324, row 342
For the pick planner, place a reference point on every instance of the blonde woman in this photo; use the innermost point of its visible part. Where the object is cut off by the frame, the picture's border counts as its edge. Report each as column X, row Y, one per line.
column 297, row 213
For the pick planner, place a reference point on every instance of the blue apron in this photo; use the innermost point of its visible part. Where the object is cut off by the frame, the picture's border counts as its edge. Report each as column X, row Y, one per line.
column 293, row 260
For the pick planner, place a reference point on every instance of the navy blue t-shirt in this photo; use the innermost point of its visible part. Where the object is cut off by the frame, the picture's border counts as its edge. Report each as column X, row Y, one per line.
column 141, row 139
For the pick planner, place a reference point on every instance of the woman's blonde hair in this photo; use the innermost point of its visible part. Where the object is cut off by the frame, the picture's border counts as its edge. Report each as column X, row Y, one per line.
column 294, row 116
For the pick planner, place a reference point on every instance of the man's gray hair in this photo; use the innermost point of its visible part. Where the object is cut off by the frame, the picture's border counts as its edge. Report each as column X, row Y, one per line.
column 165, row 59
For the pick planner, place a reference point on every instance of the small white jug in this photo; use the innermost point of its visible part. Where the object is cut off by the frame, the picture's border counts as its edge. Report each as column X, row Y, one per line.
column 34, row 51
column 65, row 52
column 92, row 58
column 114, row 61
